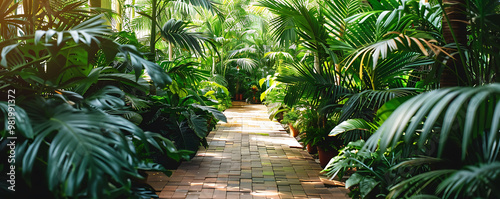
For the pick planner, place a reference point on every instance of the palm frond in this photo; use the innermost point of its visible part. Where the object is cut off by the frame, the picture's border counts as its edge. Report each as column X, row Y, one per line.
column 306, row 82
column 274, row 55
column 418, row 183
column 336, row 12
column 241, row 50
column 82, row 145
column 185, row 71
column 247, row 64
column 463, row 112
column 372, row 99
column 381, row 49
column 207, row 4
column 176, row 32
column 472, row 180
column 352, row 124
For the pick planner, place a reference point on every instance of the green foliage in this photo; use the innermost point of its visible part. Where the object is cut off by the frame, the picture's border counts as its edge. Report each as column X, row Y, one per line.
column 175, row 31
column 350, row 125
column 80, row 152
column 79, row 95
column 217, row 92
column 456, row 118
column 290, row 117
column 364, row 75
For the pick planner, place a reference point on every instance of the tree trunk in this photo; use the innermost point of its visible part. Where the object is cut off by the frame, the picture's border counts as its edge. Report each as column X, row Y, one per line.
column 95, row 3
column 454, row 73
column 152, row 43
column 316, row 62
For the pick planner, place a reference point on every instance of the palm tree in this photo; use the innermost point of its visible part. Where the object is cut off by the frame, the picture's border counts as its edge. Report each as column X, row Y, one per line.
column 298, row 20
column 158, row 7
column 455, row 31
column 455, row 128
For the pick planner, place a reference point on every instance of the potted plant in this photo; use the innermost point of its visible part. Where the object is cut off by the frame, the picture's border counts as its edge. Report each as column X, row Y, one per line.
column 326, row 147
column 315, row 129
column 290, row 118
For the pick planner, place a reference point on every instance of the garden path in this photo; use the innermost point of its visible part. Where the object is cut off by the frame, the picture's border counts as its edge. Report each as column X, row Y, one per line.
column 248, row 157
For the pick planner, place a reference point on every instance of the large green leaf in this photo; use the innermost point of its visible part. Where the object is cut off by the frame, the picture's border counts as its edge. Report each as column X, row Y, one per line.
column 86, row 32
column 135, row 60
column 467, row 181
column 353, row 180
column 107, row 98
column 475, row 110
column 350, row 125
column 15, row 120
column 86, row 152
column 176, row 32
column 198, row 123
column 85, row 148
column 213, row 111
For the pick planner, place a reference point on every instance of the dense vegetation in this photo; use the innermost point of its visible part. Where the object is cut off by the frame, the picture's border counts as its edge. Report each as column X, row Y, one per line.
column 90, row 107
column 405, row 92
column 377, row 82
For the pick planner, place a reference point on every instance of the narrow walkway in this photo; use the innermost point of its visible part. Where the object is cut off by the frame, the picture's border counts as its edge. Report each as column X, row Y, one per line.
column 248, row 157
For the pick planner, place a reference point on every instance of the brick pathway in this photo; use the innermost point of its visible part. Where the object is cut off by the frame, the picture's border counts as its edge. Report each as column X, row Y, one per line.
column 248, row 157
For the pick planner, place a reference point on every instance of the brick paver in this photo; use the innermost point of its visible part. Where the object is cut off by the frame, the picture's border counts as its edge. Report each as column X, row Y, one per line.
column 248, row 157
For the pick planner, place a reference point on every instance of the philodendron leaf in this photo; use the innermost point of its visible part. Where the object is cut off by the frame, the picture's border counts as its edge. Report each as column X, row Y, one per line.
column 199, row 124
column 19, row 116
column 353, row 180
column 216, row 113
column 108, row 98
column 136, row 61
column 366, row 186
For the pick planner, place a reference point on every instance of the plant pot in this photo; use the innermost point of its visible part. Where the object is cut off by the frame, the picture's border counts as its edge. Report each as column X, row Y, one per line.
column 293, row 131
column 240, row 96
column 311, row 149
column 325, row 156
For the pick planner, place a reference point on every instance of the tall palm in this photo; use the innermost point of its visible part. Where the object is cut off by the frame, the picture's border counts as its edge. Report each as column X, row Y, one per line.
column 228, row 35
column 158, row 8
column 301, row 21
column 455, row 31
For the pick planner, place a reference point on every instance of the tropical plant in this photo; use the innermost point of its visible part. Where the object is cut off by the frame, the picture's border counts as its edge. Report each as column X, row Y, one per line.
column 290, row 117
column 158, row 11
column 79, row 152
column 218, row 93
column 182, row 116
column 75, row 144
column 456, row 118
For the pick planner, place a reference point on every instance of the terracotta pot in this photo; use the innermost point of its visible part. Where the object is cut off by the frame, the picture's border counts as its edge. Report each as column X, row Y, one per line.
column 293, row 131
column 311, row 149
column 325, row 156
